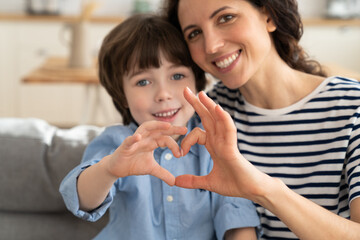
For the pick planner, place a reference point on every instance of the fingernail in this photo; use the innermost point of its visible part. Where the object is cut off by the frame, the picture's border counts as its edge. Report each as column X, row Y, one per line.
column 188, row 89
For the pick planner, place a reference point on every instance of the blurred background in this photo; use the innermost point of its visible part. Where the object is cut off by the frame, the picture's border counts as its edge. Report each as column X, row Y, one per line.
column 37, row 39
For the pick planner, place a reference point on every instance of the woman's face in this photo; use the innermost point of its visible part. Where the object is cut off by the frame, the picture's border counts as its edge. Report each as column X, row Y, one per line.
column 228, row 38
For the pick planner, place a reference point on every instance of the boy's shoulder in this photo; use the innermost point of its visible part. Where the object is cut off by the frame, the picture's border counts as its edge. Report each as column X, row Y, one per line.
column 120, row 129
column 194, row 122
column 116, row 133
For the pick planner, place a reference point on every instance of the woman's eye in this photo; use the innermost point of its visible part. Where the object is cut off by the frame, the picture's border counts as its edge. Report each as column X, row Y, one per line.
column 225, row 18
column 177, row 76
column 193, row 34
column 143, row 82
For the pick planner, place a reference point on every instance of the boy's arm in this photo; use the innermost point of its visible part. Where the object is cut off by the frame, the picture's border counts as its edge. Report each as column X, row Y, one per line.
column 133, row 157
column 94, row 184
column 241, row 233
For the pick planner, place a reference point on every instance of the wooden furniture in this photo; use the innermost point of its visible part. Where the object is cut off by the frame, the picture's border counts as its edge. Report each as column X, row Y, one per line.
column 332, row 69
column 58, row 18
column 55, row 70
column 331, row 22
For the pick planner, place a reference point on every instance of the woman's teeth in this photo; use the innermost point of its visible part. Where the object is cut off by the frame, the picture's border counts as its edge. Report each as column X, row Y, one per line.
column 166, row 114
column 227, row 61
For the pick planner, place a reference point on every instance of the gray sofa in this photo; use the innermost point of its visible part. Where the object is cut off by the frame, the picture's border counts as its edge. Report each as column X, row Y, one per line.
column 34, row 158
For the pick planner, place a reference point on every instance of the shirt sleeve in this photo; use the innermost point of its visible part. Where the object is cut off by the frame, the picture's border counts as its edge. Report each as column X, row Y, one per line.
column 100, row 147
column 231, row 213
column 68, row 190
column 353, row 159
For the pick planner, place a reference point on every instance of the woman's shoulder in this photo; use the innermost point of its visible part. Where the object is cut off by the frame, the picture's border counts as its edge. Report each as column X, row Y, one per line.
column 346, row 86
column 220, row 88
column 221, row 94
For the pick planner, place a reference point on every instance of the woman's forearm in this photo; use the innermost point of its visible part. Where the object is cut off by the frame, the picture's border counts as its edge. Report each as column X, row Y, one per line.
column 305, row 218
column 93, row 185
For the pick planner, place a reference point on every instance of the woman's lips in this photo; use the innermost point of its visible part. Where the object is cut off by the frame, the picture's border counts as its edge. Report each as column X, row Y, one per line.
column 227, row 63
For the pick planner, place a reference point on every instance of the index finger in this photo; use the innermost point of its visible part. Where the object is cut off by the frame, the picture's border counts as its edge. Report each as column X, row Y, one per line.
column 199, row 107
column 206, row 117
column 162, row 127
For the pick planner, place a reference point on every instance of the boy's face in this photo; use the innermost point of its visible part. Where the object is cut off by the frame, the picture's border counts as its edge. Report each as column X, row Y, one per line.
column 157, row 93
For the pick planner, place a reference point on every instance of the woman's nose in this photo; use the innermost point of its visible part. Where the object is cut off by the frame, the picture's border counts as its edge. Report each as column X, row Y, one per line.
column 213, row 41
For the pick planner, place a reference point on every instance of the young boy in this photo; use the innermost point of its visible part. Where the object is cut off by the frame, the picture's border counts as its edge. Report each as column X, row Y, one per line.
column 144, row 65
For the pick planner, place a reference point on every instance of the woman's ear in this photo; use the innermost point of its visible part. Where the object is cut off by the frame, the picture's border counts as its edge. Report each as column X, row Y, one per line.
column 270, row 24
column 271, row 27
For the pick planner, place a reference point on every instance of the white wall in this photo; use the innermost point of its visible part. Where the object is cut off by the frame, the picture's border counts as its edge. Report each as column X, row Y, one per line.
column 312, row 8
column 72, row 7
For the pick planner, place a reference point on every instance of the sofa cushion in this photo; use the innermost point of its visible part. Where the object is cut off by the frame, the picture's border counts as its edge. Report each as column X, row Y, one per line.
column 47, row 226
column 34, row 158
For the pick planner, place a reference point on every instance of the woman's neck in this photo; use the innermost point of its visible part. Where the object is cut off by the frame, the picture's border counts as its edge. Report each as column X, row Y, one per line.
column 277, row 85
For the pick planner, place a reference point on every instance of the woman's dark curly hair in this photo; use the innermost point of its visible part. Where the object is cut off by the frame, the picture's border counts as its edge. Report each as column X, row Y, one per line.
column 286, row 37
column 138, row 43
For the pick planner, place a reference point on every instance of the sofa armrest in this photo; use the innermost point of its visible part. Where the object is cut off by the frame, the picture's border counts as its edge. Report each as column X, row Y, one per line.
column 34, row 158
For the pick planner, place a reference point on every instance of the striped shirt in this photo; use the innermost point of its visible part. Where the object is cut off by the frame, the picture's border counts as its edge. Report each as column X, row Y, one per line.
column 312, row 145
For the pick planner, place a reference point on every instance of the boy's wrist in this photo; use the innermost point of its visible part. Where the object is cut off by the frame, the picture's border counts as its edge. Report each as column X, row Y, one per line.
column 106, row 168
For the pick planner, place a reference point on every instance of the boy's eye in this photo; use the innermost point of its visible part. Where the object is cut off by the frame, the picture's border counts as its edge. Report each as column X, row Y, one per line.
column 177, row 76
column 142, row 82
column 193, row 34
column 225, row 18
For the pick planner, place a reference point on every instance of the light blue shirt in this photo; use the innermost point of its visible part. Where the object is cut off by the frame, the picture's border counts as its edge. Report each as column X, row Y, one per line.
column 144, row 207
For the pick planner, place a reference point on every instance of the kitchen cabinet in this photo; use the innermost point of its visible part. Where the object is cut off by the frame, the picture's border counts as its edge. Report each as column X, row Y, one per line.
column 335, row 42
column 24, row 45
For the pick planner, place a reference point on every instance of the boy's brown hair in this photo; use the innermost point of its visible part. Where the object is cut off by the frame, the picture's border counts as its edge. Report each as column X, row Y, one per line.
column 137, row 43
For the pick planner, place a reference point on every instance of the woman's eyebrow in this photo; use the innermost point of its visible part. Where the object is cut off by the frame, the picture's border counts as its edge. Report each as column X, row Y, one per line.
column 217, row 11
column 210, row 17
column 188, row 27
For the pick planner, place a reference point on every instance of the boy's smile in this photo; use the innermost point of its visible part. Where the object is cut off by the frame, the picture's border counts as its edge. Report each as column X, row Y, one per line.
column 157, row 93
column 166, row 116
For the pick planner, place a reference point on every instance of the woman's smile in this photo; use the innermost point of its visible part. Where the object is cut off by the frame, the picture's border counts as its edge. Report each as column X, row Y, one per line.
column 229, row 39
column 226, row 63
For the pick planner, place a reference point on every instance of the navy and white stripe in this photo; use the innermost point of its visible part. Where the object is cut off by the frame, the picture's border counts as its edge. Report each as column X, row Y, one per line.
column 312, row 145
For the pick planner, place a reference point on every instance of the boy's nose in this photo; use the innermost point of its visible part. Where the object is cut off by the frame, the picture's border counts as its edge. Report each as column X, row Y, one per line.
column 163, row 93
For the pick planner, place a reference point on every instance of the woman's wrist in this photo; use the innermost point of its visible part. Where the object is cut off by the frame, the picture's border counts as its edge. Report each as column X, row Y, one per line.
column 272, row 192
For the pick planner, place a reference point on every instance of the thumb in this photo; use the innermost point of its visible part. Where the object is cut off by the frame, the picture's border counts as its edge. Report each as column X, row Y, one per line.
column 191, row 181
column 164, row 175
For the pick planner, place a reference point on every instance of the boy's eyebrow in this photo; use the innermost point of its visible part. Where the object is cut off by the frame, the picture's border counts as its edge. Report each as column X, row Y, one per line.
column 176, row 65
column 140, row 71
column 135, row 73
column 210, row 17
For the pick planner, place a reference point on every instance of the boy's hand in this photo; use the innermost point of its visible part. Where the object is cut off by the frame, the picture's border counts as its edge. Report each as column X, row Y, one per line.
column 135, row 155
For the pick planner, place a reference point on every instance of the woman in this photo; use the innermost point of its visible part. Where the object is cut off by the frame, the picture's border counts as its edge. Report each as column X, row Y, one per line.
column 297, row 131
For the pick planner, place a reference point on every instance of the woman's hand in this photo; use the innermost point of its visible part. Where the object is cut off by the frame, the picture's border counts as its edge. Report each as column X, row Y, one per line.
column 135, row 155
column 232, row 174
